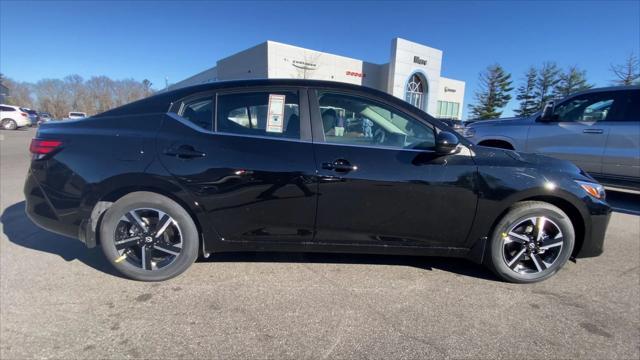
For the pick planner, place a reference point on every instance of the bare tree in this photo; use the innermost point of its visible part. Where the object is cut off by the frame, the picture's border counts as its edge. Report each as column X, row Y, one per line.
column 627, row 73
column 19, row 93
column 53, row 97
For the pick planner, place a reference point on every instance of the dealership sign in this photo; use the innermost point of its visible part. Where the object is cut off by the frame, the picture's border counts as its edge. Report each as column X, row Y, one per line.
column 304, row 65
column 356, row 74
column 419, row 61
column 446, row 89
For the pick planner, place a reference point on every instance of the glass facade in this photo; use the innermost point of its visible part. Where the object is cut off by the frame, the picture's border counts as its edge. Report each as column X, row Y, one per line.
column 448, row 110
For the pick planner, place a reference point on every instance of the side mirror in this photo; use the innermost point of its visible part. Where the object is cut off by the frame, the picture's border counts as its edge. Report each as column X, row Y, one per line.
column 446, row 143
column 547, row 112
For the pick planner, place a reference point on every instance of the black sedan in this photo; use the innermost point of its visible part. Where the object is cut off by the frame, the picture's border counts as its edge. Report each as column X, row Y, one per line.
column 292, row 165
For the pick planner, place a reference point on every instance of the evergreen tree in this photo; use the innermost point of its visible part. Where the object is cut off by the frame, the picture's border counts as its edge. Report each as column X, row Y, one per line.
column 526, row 94
column 627, row 73
column 548, row 78
column 572, row 81
column 493, row 94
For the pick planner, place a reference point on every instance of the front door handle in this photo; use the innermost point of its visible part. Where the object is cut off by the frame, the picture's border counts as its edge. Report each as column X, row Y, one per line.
column 593, row 131
column 340, row 165
column 184, row 152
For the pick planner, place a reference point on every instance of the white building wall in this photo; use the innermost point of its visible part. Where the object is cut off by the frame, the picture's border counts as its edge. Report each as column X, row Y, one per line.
column 248, row 64
column 207, row 76
column 287, row 61
column 453, row 91
column 276, row 60
column 403, row 64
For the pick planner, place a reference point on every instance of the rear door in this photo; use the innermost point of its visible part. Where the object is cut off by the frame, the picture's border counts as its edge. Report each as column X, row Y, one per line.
column 380, row 182
column 577, row 133
column 253, row 172
column 621, row 159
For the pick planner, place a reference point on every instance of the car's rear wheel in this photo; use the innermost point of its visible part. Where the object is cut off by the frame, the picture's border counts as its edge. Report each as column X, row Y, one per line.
column 9, row 124
column 149, row 237
column 531, row 242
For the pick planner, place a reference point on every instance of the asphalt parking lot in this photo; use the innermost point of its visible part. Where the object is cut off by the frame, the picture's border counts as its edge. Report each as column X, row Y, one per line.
column 60, row 300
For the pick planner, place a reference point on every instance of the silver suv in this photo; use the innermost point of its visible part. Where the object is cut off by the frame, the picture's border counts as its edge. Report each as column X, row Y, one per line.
column 598, row 130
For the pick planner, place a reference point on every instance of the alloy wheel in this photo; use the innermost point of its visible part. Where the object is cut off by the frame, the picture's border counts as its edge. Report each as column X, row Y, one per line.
column 532, row 245
column 148, row 239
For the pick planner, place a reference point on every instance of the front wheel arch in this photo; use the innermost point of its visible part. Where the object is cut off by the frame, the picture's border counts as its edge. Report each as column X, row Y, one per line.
column 495, row 143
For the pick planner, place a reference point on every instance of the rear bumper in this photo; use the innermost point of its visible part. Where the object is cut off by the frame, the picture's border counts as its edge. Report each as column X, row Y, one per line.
column 39, row 209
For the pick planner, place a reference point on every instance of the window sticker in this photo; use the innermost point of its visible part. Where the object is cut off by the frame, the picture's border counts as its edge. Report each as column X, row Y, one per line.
column 275, row 117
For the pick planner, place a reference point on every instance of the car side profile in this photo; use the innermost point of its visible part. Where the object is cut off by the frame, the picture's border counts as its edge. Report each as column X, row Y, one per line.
column 12, row 117
column 597, row 129
column 300, row 165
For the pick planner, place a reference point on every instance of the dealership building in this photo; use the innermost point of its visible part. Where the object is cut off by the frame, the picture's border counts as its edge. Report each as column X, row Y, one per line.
column 413, row 72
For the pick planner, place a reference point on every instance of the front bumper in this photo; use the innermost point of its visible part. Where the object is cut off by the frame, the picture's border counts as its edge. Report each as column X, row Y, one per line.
column 596, row 228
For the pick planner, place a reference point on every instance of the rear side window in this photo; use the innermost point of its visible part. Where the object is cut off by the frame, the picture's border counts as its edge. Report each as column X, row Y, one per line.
column 631, row 105
column 199, row 112
column 273, row 114
column 6, row 108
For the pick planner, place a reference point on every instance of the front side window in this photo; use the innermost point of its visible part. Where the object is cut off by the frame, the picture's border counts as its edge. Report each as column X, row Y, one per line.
column 273, row 114
column 6, row 108
column 354, row 120
column 199, row 112
column 588, row 108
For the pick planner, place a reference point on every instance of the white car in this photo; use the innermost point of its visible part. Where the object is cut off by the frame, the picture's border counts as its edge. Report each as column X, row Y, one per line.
column 11, row 117
column 77, row 115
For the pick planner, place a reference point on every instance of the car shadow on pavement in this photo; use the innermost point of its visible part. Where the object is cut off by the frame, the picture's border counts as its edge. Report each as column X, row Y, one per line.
column 20, row 230
column 453, row 265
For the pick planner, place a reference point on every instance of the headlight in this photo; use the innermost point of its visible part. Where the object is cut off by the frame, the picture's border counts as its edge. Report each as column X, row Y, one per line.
column 593, row 189
column 469, row 132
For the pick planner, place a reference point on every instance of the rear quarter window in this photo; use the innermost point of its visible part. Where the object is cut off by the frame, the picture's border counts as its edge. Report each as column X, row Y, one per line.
column 198, row 112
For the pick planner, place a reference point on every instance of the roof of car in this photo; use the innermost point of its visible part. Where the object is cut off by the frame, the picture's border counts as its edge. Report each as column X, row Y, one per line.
column 159, row 102
column 609, row 88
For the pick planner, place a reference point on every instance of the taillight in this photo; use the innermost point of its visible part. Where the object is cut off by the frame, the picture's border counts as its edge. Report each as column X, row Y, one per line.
column 24, row 114
column 40, row 147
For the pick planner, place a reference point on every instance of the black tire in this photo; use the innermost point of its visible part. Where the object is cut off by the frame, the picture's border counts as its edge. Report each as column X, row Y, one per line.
column 9, row 124
column 148, row 200
column 496, row 259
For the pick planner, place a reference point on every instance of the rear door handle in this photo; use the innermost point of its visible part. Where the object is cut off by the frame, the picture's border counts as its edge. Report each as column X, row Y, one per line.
column 340, row 165
column 184, row 152
column 593, row 131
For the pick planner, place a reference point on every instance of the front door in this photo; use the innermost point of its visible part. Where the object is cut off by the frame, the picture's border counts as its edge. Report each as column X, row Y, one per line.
column 577, row 132
column 380, row 181
column 253, row 172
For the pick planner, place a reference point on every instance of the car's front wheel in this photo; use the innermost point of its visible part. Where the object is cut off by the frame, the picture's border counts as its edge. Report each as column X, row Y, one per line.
column 531, row 242
column 149, row 237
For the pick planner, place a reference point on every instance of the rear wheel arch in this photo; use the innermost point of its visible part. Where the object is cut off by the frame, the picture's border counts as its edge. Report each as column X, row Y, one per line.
column 109, row 198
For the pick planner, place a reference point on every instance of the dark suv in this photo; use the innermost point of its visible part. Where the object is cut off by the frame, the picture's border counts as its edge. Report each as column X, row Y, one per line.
column 272, row 165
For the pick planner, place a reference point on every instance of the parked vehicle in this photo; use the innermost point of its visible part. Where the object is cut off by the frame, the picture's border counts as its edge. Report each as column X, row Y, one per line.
column 77, row 115
column 33, row 116
column 598, row 130
column 12, row 117
column 44, row 117
column 267, row 165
